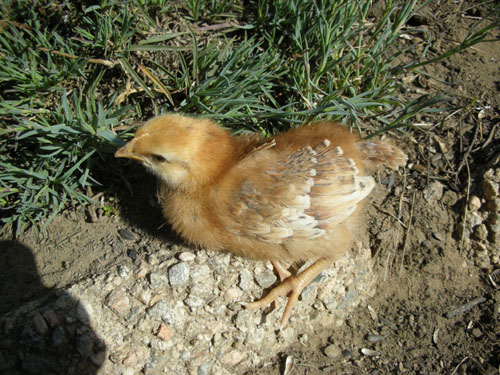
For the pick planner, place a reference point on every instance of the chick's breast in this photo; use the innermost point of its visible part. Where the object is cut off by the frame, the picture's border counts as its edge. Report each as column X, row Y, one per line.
column 295, row 197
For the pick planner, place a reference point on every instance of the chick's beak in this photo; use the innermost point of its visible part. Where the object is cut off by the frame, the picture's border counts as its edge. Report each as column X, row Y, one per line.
column 127, row 151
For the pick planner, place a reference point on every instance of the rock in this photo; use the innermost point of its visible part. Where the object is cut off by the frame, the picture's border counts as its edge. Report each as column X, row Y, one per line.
column 119, row 302
column 490, row 189
column 160, row 310
column 40, row 324
column 123, row 272
column 164, row 332
column 232, row 358
column 433, row 192
column 204, row 368
column 194, row 301
column 158, row 280
column 186, row 256
column 265, row 279
column 449, row 198
column 246, row 280
column 333, row 351
column 126, row 234
column 220, row 263
column 98, row 358
column 51, row 318
column 474, row 203
column 201, row 272
column 232, row 294
column 480, row 232
column 178, row 274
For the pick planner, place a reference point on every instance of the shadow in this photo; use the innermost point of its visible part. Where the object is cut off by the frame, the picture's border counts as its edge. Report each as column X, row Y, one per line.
column 42, row 331
column 137, row 191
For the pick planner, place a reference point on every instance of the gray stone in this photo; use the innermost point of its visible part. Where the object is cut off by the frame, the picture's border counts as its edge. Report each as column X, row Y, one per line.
column 178, row 274
column 265, row 279
column 126, row 234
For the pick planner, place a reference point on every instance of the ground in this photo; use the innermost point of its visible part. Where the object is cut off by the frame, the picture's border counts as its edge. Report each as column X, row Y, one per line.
column 432, row 231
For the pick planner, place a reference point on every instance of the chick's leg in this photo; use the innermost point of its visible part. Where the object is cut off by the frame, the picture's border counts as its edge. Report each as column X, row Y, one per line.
column 293, row 285
column 283, row 273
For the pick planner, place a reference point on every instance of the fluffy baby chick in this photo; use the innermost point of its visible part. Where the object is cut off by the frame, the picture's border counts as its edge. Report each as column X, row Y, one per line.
column 293, row 197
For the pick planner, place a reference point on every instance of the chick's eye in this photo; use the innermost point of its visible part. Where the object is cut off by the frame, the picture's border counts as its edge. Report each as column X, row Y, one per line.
column 158, row 158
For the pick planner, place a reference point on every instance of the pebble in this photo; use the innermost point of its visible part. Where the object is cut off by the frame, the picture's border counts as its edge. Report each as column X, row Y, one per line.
column 232, row 358
column 186, row 256
column 194, row 301
column 480, row 232
column 40, row 324
column 98, row 358
column 119, row 302
column 51, row 317
column 204, row 368
column 123, row 271
column 433, row 192
column 126, row 234
column 201, row 272
column 450, row 198
column 160, row 310
column 265, row 279
column 164, row 332
column 474, row 203
column 232, row 294
column 178, row 274
column 158, row 280
column 246, row 280
column 333, row 351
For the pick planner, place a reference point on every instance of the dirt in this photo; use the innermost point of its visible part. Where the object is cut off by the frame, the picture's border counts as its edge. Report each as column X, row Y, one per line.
column 426, row 267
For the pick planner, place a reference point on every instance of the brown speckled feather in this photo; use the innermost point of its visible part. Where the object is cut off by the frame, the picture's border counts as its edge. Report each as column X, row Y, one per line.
column 313, row 189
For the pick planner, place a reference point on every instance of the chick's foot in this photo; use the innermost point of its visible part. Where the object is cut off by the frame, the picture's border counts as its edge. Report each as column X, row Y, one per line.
column 293, row 285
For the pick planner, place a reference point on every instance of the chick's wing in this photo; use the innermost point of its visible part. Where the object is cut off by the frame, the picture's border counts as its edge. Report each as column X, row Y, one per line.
column 298, row 196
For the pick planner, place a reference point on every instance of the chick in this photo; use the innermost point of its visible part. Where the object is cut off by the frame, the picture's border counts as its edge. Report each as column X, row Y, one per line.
column 292, row 197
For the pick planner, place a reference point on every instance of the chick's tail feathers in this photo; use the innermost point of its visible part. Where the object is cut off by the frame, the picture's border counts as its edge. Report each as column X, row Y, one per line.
column 382, row 152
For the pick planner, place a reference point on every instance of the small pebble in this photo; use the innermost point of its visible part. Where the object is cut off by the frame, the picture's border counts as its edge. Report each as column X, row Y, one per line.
column 186, row 256
column 204, row 368
column 246, row 280
column 178, row 274
column 449, row 198
column 476, row 332
column 164, row 332
column 265, row 279
column 40, row 324
column 474, row 203
column 119, row 302
column 51, row 318
column 98, row 358
column 126, row 234
column 194, row 301
column 123, row 272
column 232, row 294
column 480, row 232
column 232, row 358
column 333, row 351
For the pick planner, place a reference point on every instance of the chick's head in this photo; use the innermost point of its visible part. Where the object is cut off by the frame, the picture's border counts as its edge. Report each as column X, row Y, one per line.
column 182, row 151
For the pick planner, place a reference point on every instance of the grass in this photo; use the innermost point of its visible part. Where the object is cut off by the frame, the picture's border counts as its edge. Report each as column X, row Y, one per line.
column 75, row 79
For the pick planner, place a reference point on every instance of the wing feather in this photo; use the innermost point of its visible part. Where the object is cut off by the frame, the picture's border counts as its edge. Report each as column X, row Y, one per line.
column 301, row 197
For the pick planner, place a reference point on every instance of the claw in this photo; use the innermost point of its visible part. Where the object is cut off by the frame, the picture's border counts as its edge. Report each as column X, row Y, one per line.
column 291, row 284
